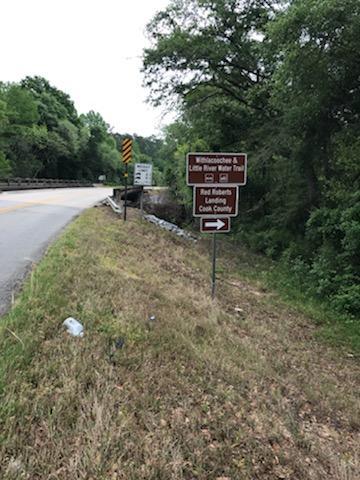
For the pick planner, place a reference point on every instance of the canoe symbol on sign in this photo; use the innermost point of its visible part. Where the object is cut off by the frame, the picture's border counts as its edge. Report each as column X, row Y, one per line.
column 209, row 178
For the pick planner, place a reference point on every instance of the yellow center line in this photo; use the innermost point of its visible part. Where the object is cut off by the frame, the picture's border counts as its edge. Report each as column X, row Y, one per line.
column 30, row 203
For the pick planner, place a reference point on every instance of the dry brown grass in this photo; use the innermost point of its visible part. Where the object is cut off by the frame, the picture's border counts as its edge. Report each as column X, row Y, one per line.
column 233, row 389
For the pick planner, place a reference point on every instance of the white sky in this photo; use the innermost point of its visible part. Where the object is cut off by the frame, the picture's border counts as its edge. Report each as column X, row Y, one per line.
column 88, row 48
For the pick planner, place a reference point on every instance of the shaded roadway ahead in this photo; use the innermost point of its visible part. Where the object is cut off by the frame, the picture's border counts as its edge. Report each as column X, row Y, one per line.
column 29, row 220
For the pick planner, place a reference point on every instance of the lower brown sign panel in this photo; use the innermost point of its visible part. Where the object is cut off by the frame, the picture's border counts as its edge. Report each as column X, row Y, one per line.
column 215, row 201
column 215, row 225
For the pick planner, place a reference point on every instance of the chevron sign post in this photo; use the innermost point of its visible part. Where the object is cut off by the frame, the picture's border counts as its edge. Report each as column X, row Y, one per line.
column 126, row 155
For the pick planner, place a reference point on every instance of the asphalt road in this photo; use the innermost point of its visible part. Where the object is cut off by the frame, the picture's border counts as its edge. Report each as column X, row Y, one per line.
column 29, row 221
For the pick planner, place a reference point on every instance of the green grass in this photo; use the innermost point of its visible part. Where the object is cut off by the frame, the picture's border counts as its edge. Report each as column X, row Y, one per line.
column 336, row 329
column 237, row 388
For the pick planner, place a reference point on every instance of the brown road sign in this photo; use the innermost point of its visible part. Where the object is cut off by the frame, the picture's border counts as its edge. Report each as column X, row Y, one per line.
column 215, row 224
column 127, row 150
column 216, row 168
column 216, row 200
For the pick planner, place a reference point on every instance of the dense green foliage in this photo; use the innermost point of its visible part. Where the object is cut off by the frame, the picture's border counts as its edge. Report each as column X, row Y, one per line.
column 41, row 135
column 281, row 81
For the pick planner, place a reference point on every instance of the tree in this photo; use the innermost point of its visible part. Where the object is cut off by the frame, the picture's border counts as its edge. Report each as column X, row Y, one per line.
column 53, row 104
column 279, row 80
column 316, row 80
column 101, row 154
column 5, row 167
column 41, row 135
column 18, row 115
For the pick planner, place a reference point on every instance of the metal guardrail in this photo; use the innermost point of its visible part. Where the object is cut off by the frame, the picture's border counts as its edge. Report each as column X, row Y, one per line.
column 8, row 184
column 116, row 208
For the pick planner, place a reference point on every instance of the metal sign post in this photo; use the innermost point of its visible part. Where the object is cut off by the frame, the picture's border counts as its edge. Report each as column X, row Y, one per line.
column 126, row 189
column 126, row 153
column 142, row 202
column 213, row 283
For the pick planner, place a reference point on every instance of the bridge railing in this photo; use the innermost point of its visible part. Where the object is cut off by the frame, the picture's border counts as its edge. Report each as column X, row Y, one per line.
column 17, row 183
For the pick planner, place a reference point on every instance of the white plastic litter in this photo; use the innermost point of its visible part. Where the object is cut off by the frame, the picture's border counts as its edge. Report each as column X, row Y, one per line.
column 238, row 310
column 74, row 327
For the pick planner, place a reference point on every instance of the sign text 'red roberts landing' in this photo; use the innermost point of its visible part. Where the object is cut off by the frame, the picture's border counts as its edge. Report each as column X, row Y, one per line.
column 216, row 168
column 215, row 201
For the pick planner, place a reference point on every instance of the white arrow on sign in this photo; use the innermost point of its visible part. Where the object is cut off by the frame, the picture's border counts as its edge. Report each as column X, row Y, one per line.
column 211, row 224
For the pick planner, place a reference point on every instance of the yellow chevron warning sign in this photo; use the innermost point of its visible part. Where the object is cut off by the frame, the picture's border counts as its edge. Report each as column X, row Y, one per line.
column 127, row 150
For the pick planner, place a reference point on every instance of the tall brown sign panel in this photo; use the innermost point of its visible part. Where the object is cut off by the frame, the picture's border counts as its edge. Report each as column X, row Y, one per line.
column 216, row 168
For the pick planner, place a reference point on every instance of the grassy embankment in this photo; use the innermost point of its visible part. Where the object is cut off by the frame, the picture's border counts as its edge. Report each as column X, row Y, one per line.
column 239, row 388
column 335, row 328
